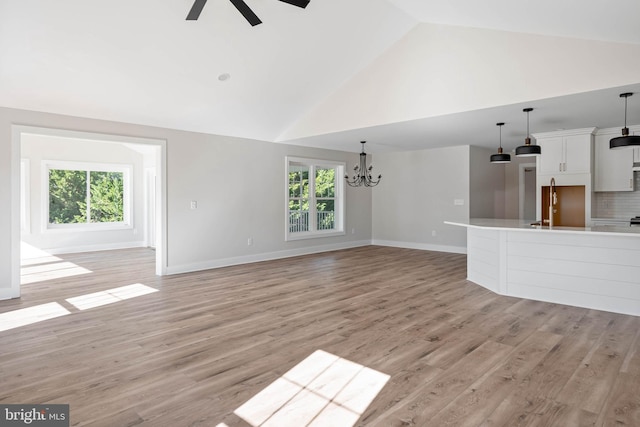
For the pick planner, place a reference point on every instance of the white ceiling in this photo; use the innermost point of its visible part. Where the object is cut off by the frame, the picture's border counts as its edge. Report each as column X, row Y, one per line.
column 142, row 62
column 613, row 20
column 601, row 109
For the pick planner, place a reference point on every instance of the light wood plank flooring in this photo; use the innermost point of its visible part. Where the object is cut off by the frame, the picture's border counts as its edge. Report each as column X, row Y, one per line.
column 207, row 342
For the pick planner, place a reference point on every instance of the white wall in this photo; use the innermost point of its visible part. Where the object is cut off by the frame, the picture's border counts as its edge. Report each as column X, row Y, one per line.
column 417, row 195
column 238, row 184
column 39, row 148
column 435, row 70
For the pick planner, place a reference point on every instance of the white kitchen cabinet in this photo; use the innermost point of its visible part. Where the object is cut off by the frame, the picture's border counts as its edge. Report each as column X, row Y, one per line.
column 552, row 157
column 613, row 168
column 565, row 152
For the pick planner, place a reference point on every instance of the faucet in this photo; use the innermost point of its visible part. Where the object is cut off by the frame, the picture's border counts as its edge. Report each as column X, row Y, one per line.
column 553, row 199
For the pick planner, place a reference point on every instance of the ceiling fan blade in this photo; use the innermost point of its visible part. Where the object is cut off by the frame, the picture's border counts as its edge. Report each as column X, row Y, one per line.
column 246, row 12
column 197, row 7
column 299, row 3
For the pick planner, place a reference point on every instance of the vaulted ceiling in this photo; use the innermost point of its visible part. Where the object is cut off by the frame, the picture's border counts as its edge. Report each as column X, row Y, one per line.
column 403, row 74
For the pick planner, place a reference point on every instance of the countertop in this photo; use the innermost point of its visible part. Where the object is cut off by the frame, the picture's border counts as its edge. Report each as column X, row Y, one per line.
column 521, row 225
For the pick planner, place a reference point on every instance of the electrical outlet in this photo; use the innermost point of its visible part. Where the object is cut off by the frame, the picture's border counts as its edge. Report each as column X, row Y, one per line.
column 433, row 233
column 194, row 204
column 250, row 241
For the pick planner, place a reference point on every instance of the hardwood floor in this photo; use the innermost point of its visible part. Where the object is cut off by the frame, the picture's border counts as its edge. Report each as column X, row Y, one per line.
column 207, row 342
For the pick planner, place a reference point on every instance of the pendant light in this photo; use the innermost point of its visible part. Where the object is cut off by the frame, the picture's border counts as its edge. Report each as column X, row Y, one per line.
column 625, row 140
column 500, row 158
column 528, row 150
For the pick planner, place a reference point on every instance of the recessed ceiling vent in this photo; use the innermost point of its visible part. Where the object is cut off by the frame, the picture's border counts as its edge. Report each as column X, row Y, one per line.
column 242, row 7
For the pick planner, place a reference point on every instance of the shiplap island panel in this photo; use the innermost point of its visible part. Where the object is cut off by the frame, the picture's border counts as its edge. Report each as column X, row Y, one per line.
column 594, row 267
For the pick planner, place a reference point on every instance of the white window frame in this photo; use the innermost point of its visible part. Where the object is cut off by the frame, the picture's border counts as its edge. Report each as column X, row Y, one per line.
column 125, row 169
column 339, row 198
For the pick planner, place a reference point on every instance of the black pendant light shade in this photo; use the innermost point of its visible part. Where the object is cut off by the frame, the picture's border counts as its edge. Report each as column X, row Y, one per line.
column 625, row 140
column 528, row 150
column 500, row 157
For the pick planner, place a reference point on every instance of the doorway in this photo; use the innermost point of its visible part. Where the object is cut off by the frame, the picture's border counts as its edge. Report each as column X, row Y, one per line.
column 527, row 191
column 149, row 224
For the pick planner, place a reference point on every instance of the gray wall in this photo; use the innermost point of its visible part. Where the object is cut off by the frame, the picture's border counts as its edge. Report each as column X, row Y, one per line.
column 239, row 185
column 417, row 195
column 486, row 180
column 511, row 187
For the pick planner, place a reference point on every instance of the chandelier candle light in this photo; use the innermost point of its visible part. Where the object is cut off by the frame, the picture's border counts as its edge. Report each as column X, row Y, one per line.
column 362, row 173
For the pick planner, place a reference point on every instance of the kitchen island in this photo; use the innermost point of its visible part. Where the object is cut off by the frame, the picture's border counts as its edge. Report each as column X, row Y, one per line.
column 594, row 267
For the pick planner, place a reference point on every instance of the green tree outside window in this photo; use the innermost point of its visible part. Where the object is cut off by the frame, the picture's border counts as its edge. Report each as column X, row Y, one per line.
column 72, row 201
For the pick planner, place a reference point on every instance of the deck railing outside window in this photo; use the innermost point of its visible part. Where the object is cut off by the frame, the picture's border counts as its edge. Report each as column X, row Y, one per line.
column 299, row 221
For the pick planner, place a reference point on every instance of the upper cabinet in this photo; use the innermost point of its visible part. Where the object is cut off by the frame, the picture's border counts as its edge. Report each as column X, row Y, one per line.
column 614, row 168
column 565, row 152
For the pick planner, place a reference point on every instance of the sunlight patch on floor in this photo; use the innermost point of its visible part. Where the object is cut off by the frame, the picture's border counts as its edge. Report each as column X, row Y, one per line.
column 58, row 270
column 29, row 252
column 322, row 390
column 30, row 315
column 25, row 262
column 38, row 265
column 38, row 313
column 97, row 299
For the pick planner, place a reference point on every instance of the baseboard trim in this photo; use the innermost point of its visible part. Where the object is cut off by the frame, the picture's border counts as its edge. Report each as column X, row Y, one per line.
column 266, row 256
column 421, row 246
column 95, row 248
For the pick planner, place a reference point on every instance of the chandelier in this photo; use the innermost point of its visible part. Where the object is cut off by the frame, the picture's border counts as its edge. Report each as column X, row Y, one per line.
column 362, row 173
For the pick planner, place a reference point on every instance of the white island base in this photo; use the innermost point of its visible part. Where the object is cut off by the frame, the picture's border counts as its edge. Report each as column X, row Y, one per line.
column 593, row 267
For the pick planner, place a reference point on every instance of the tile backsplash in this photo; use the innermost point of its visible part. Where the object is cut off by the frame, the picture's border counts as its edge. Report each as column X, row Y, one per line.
column 618, row 204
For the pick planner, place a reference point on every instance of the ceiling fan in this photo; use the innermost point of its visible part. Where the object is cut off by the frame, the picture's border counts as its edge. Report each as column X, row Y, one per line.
column 242, row 7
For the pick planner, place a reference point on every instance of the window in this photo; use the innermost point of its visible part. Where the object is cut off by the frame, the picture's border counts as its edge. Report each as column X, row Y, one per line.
column 314, row 198
column 87, row 195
